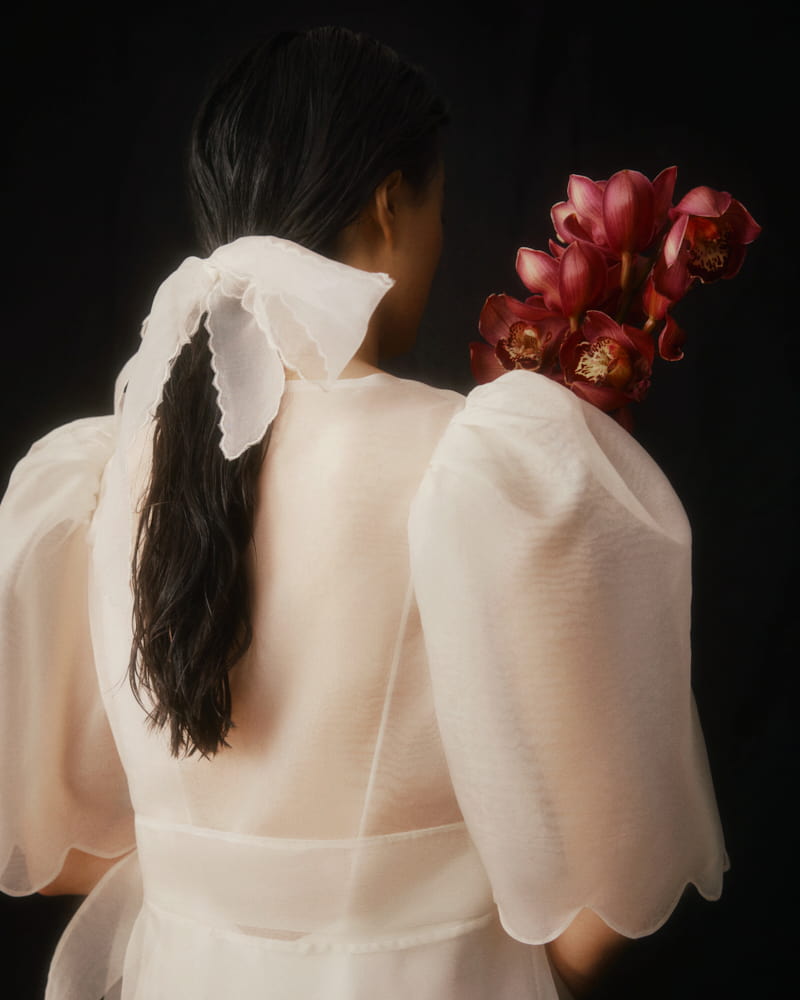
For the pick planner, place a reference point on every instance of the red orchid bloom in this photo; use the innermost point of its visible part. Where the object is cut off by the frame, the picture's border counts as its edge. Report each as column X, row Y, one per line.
column 710, row 230
column 518, row 335
column 581, row 216
column 624, row 252
column 568, row 284
column 607, row 364
column 623, row 214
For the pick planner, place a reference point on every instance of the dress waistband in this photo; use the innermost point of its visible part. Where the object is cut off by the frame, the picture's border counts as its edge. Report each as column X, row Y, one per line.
column 381, row 886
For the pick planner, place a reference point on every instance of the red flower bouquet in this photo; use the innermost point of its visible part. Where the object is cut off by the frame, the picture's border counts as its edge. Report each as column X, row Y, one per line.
column 601, row 298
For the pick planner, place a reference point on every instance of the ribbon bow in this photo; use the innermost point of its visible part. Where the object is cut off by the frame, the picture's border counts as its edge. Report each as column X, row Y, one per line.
column 268, row 302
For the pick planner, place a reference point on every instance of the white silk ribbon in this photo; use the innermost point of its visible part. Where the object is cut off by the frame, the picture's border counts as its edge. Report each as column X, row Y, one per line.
column 268, row 302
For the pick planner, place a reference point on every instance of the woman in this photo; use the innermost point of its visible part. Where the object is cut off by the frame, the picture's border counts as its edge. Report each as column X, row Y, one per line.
column 363, row 688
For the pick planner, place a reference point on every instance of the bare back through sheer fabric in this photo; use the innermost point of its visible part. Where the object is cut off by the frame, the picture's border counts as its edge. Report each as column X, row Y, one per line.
column 329, row 827
column 466, row 713
column 336, row 734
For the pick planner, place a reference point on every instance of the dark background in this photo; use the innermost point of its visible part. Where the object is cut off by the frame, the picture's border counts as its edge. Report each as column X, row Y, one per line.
column 98, row 105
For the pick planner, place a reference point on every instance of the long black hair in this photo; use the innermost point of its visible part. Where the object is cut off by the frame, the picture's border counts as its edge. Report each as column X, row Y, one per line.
column 291, row 141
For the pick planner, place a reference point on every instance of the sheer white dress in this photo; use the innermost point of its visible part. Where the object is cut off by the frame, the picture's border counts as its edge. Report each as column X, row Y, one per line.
column 465, row 715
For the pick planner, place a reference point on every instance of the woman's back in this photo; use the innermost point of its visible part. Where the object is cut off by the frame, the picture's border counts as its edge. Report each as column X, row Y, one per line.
column 441, row 749
column 335, row 734
column 324, row 849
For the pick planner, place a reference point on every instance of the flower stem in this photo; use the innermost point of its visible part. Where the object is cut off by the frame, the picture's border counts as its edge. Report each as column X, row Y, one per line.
column 630, row 292
column 626, row 286
column 626, row 270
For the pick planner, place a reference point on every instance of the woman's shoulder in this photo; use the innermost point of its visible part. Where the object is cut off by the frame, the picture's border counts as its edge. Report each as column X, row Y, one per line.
column 378, row 387
column 516, row 395
column 544, row 446
column 421, row 390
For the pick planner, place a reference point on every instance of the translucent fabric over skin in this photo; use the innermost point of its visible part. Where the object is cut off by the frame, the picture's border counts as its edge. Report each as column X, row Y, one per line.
column 61, row 781
column 558, row 638
column 466, row 712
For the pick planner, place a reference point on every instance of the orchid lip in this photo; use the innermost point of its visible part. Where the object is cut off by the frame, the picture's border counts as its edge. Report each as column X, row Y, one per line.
column 522, row 348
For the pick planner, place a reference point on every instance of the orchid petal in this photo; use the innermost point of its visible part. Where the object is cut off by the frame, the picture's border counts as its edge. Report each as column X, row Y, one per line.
column 599, row 324
column 484, row 362
column 552, row 331
column 663, row 190
column 491, row 322
column 736, row 257
column 569, row 353
column 560, row 211
column 742, row 222
column 674, row 281
column 674, row 240
column 586, row 197
column 628, row 211
column 655, row 304
column 499, row 312
column 531, row 311
column 613, row 278
column 539, row 273
column 671, row 340
column 705, row 202
column 638, row 342
column 605, row 397
column 566, row 223
column 576, row 231
column 581, row 277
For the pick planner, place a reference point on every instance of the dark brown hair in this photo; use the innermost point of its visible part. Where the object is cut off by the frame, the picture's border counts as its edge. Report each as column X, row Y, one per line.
column 291, row 141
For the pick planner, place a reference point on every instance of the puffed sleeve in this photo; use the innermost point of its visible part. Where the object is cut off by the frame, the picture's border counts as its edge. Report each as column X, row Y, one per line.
column 61, row 781
column 551, row 562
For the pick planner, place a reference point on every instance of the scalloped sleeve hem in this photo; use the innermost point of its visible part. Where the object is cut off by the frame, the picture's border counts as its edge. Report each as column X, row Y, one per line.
column 551, row 562
column 61, row 781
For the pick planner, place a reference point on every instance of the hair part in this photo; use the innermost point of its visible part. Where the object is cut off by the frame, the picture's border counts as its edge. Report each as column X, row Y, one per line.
column 291, row 140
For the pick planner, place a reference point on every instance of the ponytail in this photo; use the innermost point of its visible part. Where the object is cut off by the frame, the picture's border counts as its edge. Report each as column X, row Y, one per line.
column 191, row 601
column 291, row 141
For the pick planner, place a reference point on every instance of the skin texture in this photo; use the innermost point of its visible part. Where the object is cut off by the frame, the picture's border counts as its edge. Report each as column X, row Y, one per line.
column 399, row 232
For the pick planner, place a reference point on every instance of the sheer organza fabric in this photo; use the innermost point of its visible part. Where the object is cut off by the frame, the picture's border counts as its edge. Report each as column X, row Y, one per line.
column 466, row 713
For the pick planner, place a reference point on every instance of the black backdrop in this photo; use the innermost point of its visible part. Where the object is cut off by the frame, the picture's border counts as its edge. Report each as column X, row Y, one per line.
column 97, row 110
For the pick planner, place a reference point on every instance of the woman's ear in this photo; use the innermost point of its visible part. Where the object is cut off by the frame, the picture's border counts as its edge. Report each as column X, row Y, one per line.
column 369, row 242
column 385, row 203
